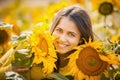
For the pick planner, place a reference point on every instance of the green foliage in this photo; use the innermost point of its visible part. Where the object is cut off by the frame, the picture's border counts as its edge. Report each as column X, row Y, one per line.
column 22, row 58
column 117, row 77
column 58, row 76
column 5, row 26
column 103, row 77
column 20, row 41
column 116, row 47
column 14, row 76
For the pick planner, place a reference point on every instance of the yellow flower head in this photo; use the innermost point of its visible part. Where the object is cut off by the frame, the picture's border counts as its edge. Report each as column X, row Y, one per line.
column 95, row 4
column 11, row 20
column 43, row 49
column 88, row 63
column 116, row 3
column 53, row 8
column 106, row 8
column 81, row 2
column 115, row 38
column 5, row 33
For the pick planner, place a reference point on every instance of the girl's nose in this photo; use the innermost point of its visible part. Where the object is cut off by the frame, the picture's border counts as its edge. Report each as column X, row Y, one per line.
column 63, row 38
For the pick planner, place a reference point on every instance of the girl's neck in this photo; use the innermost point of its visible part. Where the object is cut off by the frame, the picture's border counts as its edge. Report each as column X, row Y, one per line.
column 63, row 60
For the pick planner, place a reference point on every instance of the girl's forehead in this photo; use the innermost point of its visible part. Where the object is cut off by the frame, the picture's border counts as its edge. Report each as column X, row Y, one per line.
column 67, row 23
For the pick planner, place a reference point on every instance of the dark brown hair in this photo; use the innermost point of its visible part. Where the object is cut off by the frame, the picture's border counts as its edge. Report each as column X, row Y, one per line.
column 80, row 17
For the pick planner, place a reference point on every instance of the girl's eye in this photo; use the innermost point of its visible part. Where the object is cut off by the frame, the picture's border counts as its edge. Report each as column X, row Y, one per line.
column 71, row 34
column 58, row 30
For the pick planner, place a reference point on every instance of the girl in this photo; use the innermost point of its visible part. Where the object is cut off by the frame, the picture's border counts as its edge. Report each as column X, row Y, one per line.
column 70, row 26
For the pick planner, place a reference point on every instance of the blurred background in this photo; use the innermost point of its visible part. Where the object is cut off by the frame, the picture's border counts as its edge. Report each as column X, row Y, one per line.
column 24, row 14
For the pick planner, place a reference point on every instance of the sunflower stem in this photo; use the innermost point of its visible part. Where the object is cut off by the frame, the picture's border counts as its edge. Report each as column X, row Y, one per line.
column 105, row 22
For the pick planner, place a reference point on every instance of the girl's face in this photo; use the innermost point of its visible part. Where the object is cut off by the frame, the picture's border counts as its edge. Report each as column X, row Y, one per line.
column 67, row 35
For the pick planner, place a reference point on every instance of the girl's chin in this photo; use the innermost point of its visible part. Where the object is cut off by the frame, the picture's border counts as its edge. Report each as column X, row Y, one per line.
column 62, row 52
column 67, row 51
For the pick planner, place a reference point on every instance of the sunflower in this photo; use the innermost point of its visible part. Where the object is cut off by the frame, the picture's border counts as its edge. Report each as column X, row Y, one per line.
column 5, row 34
column 53, row 8
column 15, row 28
column 116, row 3
column 43, row 49
column 81, row 2
column 115, row 38
column 95, row 4
column 5, row 31
column 105, row 8
column 88, row 62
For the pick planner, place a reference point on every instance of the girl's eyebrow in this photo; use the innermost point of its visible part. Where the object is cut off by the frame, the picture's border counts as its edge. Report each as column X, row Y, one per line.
column 57, row 28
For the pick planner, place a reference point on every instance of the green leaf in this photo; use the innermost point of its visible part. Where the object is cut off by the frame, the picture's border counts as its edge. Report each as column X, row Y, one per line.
column 103, row 77
column 117, row 77
column 13, row 76
column 5, row 26
column 22, row 58
column 23, row 51
column 21, row 37
column 21, row 41
column 58, row 76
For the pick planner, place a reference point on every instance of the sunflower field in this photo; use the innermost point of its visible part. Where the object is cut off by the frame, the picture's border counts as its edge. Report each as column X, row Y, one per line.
column 25, row 41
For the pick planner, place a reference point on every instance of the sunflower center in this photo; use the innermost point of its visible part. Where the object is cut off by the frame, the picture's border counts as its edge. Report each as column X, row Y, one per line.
column 4, row 37
column 106, row 8
column 89, row 62
column 43, row 45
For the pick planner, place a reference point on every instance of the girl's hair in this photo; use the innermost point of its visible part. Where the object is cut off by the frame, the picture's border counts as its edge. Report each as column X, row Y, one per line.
column 80, row 18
